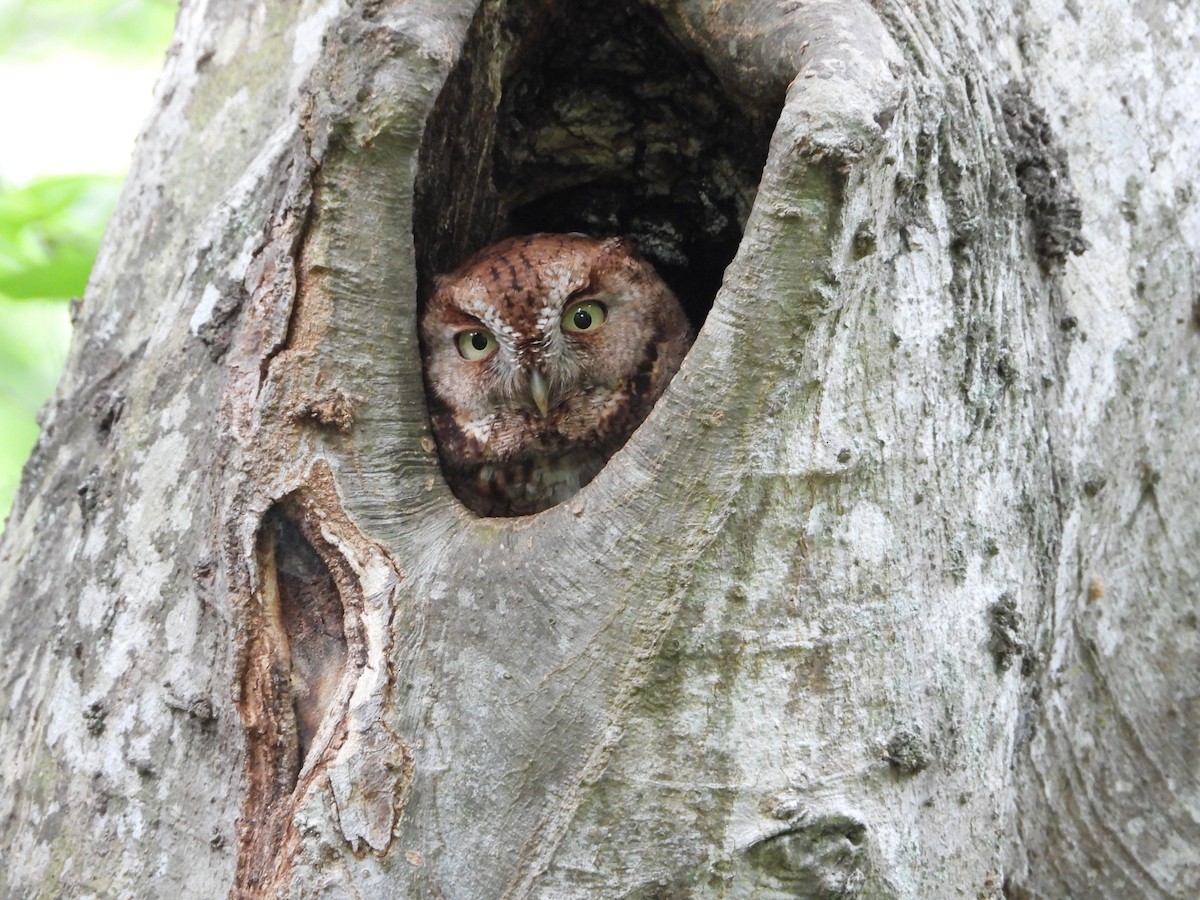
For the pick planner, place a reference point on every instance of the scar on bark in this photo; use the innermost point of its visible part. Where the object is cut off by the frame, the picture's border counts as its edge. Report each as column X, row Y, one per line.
column 295, row 662
column 1044, row 177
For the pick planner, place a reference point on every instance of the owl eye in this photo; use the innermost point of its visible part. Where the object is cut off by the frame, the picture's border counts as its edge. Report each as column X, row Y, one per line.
column 476, row 345
column 585, row 316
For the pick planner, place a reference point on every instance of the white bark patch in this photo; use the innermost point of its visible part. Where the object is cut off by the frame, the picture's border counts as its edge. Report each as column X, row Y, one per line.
column 306, row 47
column 94, row 602
column 65, row 709
column 165, row 493
column 203, row 313
column 180, row 627
column 918, row 323
column 95, row 543
column 174, row 415
column 129, row 633
column 868, row 530
column 1099, row 292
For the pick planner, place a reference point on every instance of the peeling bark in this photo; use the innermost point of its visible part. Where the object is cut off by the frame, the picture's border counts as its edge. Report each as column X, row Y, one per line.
column 891, row 596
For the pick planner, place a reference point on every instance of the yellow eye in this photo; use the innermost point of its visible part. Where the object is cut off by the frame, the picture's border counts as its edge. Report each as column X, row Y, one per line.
column 476, row 345
column 584, row 316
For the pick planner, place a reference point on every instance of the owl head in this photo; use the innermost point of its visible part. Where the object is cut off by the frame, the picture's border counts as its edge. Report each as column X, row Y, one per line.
column 546, row 349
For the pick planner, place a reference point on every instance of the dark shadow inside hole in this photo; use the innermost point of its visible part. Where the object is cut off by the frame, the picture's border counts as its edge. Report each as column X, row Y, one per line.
column 588, row 116
column 312, row 614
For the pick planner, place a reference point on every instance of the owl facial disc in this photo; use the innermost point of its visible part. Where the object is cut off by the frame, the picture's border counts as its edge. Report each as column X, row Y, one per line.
column 543, row 354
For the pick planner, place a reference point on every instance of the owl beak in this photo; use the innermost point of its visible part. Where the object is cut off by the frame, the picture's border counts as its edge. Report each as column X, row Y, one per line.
column 540, row 391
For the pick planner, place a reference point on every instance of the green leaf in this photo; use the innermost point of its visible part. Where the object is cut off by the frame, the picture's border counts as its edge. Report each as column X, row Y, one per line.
column 50, row 229
column 49, row 233
column 124, row 29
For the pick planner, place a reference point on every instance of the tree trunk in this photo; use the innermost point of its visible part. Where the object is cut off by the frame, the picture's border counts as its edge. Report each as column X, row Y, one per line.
column 893, row 595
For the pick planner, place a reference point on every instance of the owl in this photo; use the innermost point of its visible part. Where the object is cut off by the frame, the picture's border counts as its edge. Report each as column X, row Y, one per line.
column 542, row 355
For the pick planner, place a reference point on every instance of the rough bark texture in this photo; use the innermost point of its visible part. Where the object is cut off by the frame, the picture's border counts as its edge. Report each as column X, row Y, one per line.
column 893, row 595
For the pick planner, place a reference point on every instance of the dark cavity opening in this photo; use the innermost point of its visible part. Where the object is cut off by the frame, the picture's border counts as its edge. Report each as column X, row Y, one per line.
column 293, row 658
column 313, row 615
column 588, row 116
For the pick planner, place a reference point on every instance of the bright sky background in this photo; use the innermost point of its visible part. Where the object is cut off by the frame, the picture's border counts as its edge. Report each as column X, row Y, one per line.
column 70, row 112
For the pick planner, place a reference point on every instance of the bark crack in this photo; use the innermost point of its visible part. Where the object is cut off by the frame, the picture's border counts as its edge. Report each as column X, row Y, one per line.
column 298, row 654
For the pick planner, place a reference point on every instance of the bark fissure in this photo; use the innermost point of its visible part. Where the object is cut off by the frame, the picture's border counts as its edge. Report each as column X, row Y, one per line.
column 312, row 615
column 301, row 638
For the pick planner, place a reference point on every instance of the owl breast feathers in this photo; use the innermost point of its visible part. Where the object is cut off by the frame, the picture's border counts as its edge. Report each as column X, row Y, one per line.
column 542, row 355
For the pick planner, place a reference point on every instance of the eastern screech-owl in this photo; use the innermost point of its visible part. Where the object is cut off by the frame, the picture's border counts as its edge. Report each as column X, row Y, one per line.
column 542, row 355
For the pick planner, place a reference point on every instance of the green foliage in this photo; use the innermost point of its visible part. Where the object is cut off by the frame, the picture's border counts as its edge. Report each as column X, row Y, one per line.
column 50, row 229
column 128, row 30
column 49, row 233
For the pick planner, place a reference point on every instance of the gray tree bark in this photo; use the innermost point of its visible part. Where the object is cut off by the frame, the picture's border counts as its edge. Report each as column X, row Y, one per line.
column 893, row 595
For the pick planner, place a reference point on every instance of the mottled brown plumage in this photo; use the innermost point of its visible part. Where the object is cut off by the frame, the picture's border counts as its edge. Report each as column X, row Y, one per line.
column 542, row 355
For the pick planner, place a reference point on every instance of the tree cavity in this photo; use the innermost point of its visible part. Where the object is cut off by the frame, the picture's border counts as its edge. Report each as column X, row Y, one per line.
column 589, row 117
